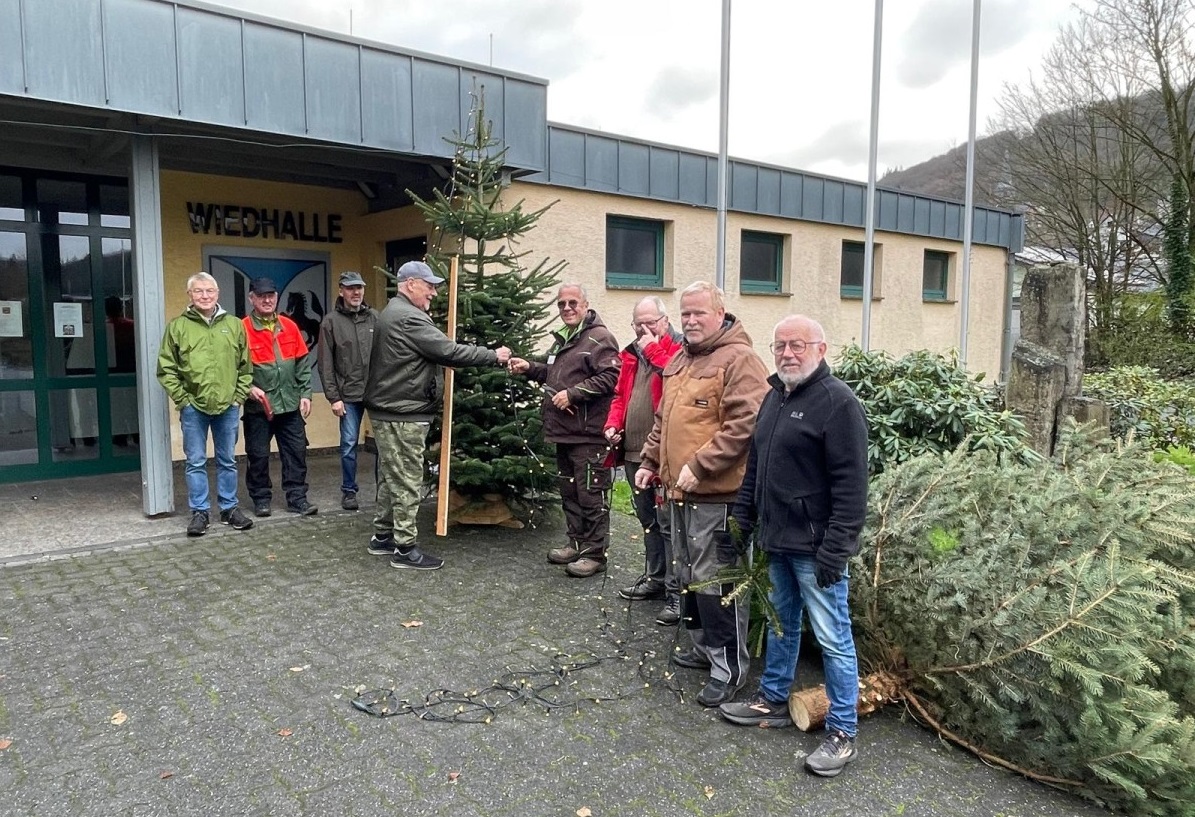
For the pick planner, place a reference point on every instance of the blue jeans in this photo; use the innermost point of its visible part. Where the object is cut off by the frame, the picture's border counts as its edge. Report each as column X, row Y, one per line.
column 794, row 589
column 350, row 434
column 223, row 427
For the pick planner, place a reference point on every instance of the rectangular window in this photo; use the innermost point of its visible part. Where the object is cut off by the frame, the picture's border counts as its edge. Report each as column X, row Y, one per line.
column 761, row 262
column 851, row 283
column 634, row 252
column 935, row 276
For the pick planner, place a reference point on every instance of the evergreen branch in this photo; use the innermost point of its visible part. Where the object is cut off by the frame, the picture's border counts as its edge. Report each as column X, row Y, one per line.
column 937, row 726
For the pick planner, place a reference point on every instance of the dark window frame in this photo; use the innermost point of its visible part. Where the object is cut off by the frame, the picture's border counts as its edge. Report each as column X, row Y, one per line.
column 846, row 290
column 775, row 241
column 633, row 278
column 941, row 271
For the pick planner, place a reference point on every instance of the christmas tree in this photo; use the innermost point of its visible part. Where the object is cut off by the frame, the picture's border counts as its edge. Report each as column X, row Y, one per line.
column 497, row 439
column 1042, row 616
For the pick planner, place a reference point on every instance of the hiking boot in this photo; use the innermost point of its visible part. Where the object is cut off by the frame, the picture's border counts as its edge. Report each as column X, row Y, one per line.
column 716, row 693
column 381, row 545
column 643, row 588
column 199, row 523
column 831, row 757
column 415, row 559
column 348, row 501
column 235, row 519
column 758, row 711
column 586, row 567
column 303, row 508
column 691, row 659
column 564, row 555
column 262, row 508
column 670, row 615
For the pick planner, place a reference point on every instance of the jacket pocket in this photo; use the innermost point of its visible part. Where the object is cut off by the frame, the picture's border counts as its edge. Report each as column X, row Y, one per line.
column 806, row 517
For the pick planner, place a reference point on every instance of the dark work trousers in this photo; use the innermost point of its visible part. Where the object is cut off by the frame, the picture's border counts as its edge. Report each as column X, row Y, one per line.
column 719, row 632
column 584, row 485
column 657, row 546
column 290, row 431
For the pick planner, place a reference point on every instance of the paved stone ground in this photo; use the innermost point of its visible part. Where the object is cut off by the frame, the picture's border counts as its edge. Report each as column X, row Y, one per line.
column 197, row 643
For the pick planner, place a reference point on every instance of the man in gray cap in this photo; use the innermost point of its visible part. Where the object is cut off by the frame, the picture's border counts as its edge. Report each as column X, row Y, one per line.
column 402, row 394
column 345, row 343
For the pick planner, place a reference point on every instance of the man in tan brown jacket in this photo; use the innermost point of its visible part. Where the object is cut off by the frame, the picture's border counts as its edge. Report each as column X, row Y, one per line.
column 698, row 448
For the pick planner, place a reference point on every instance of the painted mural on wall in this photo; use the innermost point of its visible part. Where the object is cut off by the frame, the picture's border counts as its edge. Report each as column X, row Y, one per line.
column 301, row 278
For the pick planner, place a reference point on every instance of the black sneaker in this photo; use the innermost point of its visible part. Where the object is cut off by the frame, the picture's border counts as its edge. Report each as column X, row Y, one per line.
column 381, row 545
column 691, row 659
column 670, row 615
column 716, row 693
column 642, row 589
column 758, row 711
column 415, row 559
column 235, row 519
column 831, row 757
column 303, row 508
column 348, row 501
column 199, row 523
column 262, row 508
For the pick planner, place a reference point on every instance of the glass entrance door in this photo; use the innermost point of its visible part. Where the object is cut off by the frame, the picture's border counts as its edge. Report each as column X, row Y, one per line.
column 68, row 373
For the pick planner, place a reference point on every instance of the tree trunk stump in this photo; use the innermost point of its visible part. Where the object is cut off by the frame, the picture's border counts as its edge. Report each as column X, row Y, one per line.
column 809, row 707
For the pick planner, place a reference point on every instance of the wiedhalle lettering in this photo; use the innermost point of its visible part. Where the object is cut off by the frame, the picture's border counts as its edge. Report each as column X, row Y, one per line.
column 253, row 222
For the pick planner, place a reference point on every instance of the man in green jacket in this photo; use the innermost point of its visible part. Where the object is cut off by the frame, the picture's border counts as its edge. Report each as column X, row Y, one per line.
column 402, row 395
column 204, row 367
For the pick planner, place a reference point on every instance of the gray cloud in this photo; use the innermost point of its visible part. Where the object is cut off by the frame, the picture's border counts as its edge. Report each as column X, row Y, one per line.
column 939, row 38
column 677, row 88
column 845, row 143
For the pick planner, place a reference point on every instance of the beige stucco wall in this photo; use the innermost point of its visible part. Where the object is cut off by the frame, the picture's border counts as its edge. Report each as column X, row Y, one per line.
column 574, row 229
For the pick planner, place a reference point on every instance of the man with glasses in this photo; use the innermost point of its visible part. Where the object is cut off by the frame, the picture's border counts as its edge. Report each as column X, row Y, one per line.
column 632, row 413
column 279, row 402
column 805, row 494
column 697, row 449
column 579, row 377
column 403, row 393
column 204, row 367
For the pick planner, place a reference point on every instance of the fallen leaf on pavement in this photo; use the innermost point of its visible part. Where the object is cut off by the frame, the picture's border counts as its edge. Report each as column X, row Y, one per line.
column 453, row 776
column 299, row 669
column 584, row 812
column 410, row 624
column 270, row 557
column 4, row 744
column 286, row 733
column 709, row 792
column 119, row 718
column 166, row 773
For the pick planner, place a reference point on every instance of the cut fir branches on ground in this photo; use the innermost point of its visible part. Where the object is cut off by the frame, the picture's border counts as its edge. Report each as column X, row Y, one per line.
column 1042, row 616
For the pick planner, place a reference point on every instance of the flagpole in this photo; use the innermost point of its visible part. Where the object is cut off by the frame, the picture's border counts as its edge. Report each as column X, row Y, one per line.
column 969, row 196
column 872, row 150
column 723, row 161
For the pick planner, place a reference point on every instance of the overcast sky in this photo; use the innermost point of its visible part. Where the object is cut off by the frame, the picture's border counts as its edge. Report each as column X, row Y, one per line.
column 800, row 73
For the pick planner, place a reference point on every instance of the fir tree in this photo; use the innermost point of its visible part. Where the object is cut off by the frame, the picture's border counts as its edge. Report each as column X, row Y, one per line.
column 1043, row 617
column 497, row 440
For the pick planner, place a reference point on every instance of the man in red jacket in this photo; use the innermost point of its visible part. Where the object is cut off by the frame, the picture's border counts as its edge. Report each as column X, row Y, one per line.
column 636, row 397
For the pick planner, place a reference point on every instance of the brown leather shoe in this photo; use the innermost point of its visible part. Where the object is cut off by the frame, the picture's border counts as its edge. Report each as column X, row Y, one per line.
column 564, row 555
column 584, row 568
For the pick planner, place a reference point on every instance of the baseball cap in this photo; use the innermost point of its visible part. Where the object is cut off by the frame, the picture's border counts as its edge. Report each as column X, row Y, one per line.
column 348, row 278
column 420, row 270
column 262, row 286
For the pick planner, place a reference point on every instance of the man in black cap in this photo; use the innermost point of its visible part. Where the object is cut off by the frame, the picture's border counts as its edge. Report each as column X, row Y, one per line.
column 279, row 402
column 402, row 394
column 345, row 343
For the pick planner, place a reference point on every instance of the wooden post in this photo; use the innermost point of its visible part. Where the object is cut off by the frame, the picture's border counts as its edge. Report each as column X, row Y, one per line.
column 446, row 417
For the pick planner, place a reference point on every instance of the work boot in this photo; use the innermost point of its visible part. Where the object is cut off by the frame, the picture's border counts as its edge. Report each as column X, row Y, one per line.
column 643, row 588
column 262, row 508
column 563, row 555
column 691, row 659
column 586, row 567
column 348, row 501
column 303, row 508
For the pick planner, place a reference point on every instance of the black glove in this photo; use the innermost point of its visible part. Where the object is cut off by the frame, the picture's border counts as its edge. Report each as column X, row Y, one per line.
column 726, row 550
column 828, row 568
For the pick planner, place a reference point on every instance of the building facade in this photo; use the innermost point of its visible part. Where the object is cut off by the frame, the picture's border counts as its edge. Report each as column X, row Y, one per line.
column 144, row 140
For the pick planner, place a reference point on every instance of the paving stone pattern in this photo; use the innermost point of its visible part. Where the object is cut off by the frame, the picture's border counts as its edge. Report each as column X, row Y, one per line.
column 212, row 648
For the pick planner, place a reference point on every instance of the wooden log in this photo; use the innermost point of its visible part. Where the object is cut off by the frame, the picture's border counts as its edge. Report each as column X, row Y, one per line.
column 808, row 707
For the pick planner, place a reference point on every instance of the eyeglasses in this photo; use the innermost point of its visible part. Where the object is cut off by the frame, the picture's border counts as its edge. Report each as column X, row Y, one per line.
column 798, row 346
column 570, row 304
column 649, row 322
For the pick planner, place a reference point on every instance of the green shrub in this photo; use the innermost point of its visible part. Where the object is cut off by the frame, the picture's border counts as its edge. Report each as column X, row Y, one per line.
column 1179, row 455
column 926, row 403
column 1159, row 413
column 1138, row 333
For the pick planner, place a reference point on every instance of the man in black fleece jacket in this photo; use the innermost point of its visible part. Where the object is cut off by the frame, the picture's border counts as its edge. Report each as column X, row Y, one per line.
column 805, row 496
